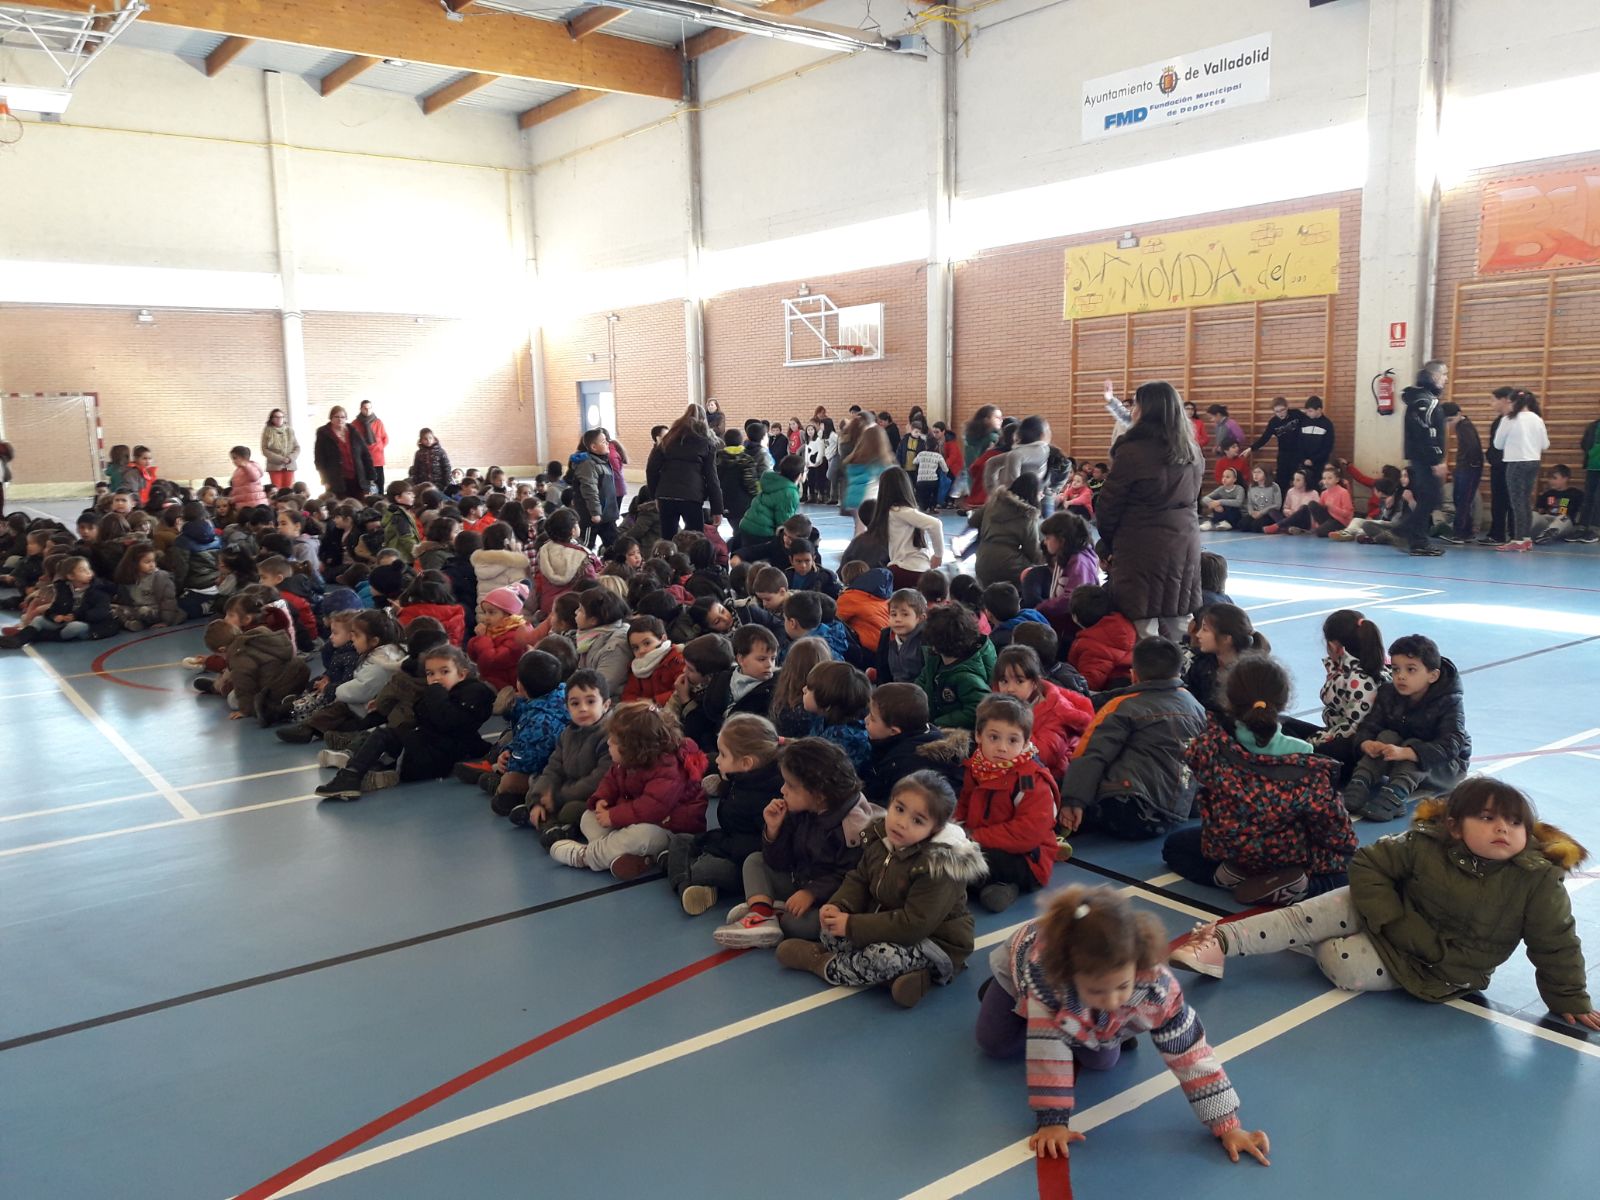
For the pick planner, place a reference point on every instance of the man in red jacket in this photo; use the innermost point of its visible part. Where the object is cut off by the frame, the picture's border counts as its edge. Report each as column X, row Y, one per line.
column 1008, row 804
column 376, row 437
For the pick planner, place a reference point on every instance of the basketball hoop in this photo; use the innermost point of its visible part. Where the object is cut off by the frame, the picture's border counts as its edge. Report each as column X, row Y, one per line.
column 10, row 126
column 844, row 352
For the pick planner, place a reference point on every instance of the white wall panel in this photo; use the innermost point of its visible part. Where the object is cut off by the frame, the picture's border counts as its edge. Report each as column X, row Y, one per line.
column 1496, row 45
column 1020, row 90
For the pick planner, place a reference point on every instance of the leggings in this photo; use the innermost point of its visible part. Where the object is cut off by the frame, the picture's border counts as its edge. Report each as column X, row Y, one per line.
column 66, row 631
column 1328, row 923
column 1316, row 518
column 689, row 513
column 282, row 480
column 759, row 880
column 1003, row 1033
column 880, row 962
column 1520, row 478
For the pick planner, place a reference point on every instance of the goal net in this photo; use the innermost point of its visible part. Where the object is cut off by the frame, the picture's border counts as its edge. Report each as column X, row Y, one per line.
column 55, row 437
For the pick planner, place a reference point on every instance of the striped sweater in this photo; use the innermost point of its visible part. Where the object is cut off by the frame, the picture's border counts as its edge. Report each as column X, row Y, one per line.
column 1058, row 1020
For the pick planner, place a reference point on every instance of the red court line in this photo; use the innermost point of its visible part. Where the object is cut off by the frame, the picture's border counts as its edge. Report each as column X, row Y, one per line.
column 395, row 1116
column 1055, row 1178
column 98, row 666
column 1516, row 583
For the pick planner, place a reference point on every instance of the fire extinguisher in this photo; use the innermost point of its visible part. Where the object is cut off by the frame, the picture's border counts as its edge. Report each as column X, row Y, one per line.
column 1383, row 391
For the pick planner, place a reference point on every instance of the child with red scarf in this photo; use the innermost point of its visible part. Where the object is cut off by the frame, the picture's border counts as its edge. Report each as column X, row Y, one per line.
column 1008, row 804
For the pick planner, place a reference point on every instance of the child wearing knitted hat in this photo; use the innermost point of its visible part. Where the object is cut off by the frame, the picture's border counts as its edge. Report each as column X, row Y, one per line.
column 502, row 634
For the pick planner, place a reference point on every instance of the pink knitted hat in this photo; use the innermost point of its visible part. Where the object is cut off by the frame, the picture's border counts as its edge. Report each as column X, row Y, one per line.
column 507, row 599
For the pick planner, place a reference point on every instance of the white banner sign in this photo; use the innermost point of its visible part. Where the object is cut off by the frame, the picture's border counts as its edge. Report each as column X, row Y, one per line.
column 1174, row 89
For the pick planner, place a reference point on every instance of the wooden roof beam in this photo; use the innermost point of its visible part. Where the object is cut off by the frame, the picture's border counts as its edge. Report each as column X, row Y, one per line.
column 451, row 92
column 226, row 53
column 345, row 72
column 715, row 39
column 590, row 19
column 421, row 32
column 554, row 108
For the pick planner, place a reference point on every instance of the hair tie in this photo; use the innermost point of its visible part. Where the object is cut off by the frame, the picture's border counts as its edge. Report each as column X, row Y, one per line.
column 1258, row 704
column 1360, row 621
column 1080, row 912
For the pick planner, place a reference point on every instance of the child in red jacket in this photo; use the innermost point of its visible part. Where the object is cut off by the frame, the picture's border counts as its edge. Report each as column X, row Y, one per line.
column 651, row 792
column 656, row 664
column 501, row 637
column 1103, row 649
column 1008, row 804
column 1059, row 716
column 429, row 595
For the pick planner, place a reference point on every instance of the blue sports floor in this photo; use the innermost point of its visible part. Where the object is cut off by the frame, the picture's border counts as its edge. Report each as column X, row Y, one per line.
column 211, row 984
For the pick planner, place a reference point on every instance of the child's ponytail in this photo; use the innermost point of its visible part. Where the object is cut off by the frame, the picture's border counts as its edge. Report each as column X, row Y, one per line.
column 378, row 626
column 1257, row 690
column 1232, row 623
column 1359, row 637
column 1092, row 931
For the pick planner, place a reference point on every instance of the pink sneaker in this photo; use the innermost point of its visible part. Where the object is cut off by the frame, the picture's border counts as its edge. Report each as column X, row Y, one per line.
column 1201, row 951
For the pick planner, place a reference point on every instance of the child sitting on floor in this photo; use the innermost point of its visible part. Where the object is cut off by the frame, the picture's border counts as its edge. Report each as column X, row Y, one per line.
column 957, row 662
column 863, row 606
column 810, row 838
column 903, row 742
column 1222, row 634
column 1008, row 804
column 501, row 636
column 837, row 694
column 537, row 719
column 453, row 706
column 701, row 865
column 745, row 688
column 788, row 711
column 1060, row 717
column 900, row 916
column 900, row 641
column 651, row 792
column 377, row 642
column 339, row 661
column 1356, row 667
column 1272, row 829
column 146, row 595
column 1414, row 735
column 1127, row 776
column 1102, row 649
column 1074, row 986
column 559, row 797
column 1002, row 605
column 656, row 664
column 1434, row 910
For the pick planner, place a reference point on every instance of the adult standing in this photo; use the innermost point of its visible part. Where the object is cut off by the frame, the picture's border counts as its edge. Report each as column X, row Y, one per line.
column 1523, row 439
column 1147, row 514
column 430, row 465
column 1424, row 450
column 1468, row 474
column 1499, row 505
column 341, row 457
column 716, row 422
column 682, row 474
column 376, row 436
column 1008, row 533
column 280, row 449
column 1282, row 425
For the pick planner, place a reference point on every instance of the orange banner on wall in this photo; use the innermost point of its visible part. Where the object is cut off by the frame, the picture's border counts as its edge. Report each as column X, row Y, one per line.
column 1540, row 223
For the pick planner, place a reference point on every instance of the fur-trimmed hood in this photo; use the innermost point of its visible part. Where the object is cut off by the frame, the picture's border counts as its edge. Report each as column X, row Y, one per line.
column 506, row 560
column 951, row 854
column 1545, row 841
column 560, row 562
column 1005, row 499
column 951, row 750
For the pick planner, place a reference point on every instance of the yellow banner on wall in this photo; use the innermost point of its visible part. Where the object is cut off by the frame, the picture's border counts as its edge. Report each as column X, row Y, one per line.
column 1268, row 259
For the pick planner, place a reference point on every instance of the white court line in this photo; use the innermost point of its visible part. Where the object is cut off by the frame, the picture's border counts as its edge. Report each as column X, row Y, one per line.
column 31, row 695
column 105, row 729
column 1373, row 603
column 1016, row 1154
column 1161, row 880
column 111, row 833
column 1581, row 1045
column 424, row 1138
column 188, row 787
column 1500, row 768
column 114, row 671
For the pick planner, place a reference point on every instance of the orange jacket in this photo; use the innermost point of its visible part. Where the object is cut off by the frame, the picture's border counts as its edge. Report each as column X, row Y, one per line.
column 865, row 614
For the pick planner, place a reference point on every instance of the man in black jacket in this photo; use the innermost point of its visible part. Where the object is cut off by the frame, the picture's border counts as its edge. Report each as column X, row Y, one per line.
column 1282, row 425
column 1424, row 449
column 1469, row 471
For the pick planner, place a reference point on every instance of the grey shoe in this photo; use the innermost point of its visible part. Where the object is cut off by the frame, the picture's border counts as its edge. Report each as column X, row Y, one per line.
column 336, row 740
column 997, row 897
column 1357, row 795
column 133, row 626
column 376, row 781
column 338, row 759
column 1388, row 805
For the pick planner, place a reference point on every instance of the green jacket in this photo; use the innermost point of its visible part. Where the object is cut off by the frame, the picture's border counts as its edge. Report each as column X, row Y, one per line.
column 400, row 532
column 916, row 896
column 777, row 501
column 955, row 691
column 1443, row 919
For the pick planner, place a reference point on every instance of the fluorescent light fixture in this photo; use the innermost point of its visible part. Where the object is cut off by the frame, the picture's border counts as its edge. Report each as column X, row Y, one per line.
column 745, row 19
column 23, row 98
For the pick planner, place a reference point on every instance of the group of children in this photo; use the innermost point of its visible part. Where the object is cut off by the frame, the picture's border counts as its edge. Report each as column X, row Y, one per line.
column 880, row 759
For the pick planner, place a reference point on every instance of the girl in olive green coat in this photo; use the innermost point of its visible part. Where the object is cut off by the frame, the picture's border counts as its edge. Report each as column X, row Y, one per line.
column 900, row 917
column 1436, row 909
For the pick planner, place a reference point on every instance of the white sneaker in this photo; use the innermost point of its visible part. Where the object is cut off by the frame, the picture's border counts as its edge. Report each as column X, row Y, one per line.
column 737, row 912
column 1201, row 951
column 750, row 932
column 570, row 853
column 333, row 758
column 1207, row 526
column 1223, row 526
column 195, row 661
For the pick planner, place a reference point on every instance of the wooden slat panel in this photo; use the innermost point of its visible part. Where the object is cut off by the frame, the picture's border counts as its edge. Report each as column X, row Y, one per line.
column 554, row 108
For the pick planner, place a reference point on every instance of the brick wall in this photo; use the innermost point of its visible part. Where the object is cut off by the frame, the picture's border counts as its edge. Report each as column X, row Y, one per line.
column 467, row 380
column 1505, row 318
column 649, row 373
column 189, row 385
column 1014, row 349
column 745, row 348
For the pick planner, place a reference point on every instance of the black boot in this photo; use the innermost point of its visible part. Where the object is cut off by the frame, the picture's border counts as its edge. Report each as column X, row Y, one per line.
column 345, row 785
column 19, row 639
column 297, row 735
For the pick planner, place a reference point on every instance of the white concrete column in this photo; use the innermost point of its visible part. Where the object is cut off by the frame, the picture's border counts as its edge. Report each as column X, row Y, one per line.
column 694, row 330
column 524, row 245
column 1406, row 45
column 297, row 390
column 941, row 193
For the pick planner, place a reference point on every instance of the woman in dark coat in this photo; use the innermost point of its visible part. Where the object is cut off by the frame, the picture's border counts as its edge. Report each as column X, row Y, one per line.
column 716, row 422
column 1146, row 513
column 342, row 457
column 682, row 475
